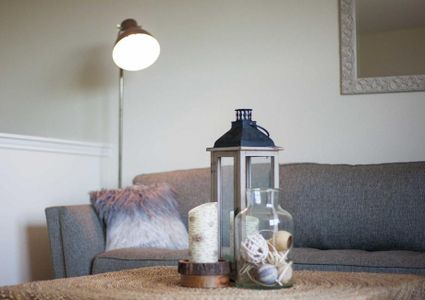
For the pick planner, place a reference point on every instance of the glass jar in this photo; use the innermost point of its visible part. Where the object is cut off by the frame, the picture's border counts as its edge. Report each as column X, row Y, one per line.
column 263, row 241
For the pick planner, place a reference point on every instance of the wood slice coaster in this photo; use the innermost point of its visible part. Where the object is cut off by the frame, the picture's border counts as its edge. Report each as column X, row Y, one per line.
column 186, row 267
column 204, row 281
column 204, row 275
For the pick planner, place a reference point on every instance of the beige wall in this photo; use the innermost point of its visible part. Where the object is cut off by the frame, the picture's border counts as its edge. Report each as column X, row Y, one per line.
column 278, row 57
column 56, row 77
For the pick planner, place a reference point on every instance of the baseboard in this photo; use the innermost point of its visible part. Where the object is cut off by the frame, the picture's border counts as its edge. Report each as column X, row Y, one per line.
column 34, row 143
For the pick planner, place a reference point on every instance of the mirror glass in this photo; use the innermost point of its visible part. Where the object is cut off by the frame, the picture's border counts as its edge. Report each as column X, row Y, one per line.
column 390, row 37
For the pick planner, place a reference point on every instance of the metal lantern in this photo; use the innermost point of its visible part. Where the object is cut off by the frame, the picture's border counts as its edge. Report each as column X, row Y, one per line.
column 244, row 157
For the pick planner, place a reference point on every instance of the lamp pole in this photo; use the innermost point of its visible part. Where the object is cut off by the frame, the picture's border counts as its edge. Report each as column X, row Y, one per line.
column 120, row 125
column 135, row 49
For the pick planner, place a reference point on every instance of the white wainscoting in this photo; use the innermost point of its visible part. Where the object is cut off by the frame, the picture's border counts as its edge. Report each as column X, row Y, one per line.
column 36, row 173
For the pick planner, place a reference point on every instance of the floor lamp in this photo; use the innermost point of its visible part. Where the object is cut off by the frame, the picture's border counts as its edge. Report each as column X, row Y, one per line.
column 135, row 49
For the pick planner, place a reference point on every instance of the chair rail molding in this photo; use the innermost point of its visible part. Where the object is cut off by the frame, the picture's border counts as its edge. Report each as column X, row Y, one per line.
column 43, row 144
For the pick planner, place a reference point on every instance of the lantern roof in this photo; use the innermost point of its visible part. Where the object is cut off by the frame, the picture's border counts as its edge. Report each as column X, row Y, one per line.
column 245, row 133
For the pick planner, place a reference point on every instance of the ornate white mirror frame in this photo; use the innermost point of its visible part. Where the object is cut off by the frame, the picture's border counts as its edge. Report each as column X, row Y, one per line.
column 350, row 82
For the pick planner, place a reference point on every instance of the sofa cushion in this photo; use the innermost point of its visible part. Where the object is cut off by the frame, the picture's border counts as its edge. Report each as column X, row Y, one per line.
column 129, row 258
column 368, row 207
column 395, row 261
column 193, row 187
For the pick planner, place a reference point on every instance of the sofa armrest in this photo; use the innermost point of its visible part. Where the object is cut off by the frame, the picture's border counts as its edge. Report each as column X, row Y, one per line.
column 56, row 251
column 76, row 236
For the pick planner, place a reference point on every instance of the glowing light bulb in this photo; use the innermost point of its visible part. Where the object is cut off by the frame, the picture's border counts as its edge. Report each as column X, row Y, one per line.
column 136, row 52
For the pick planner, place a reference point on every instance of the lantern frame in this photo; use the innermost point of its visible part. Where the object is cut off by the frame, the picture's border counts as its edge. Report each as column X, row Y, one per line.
column 242, row 180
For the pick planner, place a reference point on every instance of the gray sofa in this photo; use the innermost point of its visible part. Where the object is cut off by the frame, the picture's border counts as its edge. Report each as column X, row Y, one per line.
column 347, row 218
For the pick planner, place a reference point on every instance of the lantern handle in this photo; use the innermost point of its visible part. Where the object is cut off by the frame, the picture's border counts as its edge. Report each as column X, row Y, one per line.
column 262, row 129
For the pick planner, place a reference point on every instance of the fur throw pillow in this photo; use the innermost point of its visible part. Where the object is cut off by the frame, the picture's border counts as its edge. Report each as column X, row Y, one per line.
column 141, row 216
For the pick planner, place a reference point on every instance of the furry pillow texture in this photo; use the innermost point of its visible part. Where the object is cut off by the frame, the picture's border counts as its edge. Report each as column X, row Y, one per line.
column 143, row 216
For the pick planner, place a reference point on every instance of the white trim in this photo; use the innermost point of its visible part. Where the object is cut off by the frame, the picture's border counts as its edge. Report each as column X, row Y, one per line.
column 34, row 143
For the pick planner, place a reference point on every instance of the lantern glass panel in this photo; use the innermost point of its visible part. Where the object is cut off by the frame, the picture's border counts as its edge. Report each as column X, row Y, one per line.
column 227, row 210
column 261, row 172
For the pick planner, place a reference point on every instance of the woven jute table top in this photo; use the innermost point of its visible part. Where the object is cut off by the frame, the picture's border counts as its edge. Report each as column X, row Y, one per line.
column 163, row 283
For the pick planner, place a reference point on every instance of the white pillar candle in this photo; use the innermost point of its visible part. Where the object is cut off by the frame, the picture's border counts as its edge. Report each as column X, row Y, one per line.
column 203, row 233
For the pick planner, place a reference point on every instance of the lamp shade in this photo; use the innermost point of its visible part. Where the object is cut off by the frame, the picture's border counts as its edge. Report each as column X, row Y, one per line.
column 135, row 48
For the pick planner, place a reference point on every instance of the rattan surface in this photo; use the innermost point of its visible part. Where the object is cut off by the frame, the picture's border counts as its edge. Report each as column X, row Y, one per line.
column 163, row 283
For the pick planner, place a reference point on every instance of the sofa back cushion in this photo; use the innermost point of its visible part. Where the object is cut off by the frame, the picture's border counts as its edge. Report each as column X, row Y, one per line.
column 369, row 207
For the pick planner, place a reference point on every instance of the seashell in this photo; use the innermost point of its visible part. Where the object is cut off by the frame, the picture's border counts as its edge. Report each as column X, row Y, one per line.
column 285, row 274
column 277, row 258
column 266, row 274
column 282, row 240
